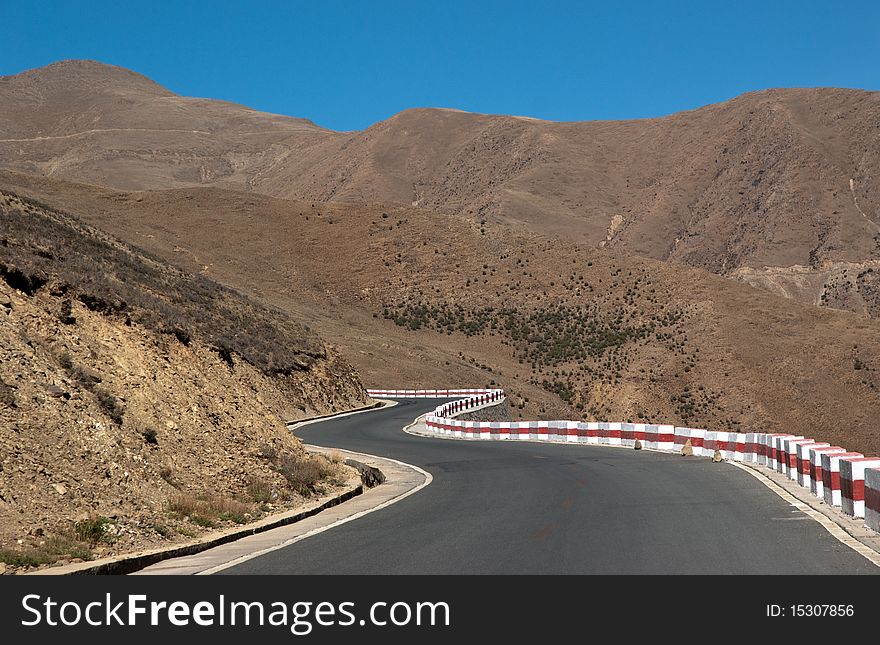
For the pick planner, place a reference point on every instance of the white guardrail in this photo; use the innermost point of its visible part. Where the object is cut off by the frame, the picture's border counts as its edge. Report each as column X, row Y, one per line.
column 848, row 480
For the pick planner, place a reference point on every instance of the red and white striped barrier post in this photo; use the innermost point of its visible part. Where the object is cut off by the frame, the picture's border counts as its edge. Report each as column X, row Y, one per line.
column 852, row 483
column 791, row 463
column 761, row 448
column 803, row 461
column 782, row 452
column 831, row 475
column 726, row 442
column 817, row 482
column 665, row 437
column 772, row 456
column 745, row 448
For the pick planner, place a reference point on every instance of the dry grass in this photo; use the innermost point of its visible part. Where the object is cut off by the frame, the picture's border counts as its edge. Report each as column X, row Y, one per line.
column 207, row 511
column 92, row 530
column 305, row 474
column 57, row 547
column 115, row 279
column 262, row 491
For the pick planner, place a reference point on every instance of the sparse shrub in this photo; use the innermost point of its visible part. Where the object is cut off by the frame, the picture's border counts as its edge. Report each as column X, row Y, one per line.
column 206, row 511
column 181, row 335
column 303, row 474
column 111, row 405
column 65, row 315
column 92, row 530
column 81, row 375
column 25, row 557
column 225, row 354
column 162, row 530
column 167, row 474
column 238, row 518
column 202, row 521
column 261, row 490
column 58, row 546
column 150, row 437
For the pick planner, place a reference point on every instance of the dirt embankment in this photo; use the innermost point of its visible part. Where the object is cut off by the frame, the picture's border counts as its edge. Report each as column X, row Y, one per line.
column 118, row 432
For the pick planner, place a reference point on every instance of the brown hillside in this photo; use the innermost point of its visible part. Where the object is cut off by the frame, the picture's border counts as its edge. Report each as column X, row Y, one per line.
column 775, row 188
column 109, row 126
column 141, row 405
column 571, row 331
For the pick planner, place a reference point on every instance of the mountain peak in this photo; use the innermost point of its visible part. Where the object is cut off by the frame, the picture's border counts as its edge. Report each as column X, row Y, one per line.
column 84, row 75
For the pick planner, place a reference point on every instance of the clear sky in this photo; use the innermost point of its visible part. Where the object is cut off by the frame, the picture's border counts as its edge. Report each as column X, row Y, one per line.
column 348, row 64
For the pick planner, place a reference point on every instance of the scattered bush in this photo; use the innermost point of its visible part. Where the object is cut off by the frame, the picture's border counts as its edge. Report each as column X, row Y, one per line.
column 206, row 511
column 114, row 279
column 167, row 474
column 303, row 473
column 91, row 530
column 261, row 491
column 110, row 404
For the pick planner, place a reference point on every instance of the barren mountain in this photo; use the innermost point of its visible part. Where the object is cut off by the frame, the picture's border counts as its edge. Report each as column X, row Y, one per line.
column 415, row 299
column 139, row 404
column 776, row 188
column 112, row 127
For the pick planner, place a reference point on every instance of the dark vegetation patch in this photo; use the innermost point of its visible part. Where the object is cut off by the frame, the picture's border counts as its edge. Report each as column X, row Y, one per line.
column 41, row 245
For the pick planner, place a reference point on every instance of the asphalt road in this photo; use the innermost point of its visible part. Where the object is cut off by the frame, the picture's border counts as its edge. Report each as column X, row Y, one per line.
column 530, row 508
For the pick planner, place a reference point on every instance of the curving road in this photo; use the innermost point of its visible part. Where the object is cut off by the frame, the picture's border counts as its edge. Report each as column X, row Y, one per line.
column 531, row 508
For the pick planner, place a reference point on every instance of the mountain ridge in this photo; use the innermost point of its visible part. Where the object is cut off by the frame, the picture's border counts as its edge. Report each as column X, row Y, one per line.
column 749, row 188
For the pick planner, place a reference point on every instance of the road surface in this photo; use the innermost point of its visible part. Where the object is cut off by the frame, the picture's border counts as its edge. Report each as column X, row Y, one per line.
column 532, row 508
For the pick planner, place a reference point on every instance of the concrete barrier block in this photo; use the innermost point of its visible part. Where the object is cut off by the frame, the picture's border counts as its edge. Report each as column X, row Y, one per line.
column 782, row 452
column 831, row 475
column 680, row 436
column 627, row 434
column 760, row 448
column 852, row 483
column 725, row 442
column 708, row 447
column 666, row 437
column 803, row 460
column 593, row 432
column 771, row 448
column 790, row 468
column 817, row 482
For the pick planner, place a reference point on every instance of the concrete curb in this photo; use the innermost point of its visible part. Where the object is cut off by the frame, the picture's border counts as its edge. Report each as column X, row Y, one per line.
column 131, row 562
column 847, row 530
column 124, row 564
column 293, row 425
column 401, row 481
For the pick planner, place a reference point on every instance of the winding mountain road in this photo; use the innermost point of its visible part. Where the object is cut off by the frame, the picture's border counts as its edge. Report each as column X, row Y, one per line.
column 531, row 508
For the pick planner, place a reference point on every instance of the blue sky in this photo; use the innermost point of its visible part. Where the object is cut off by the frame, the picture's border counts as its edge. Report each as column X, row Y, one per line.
column 347, row 64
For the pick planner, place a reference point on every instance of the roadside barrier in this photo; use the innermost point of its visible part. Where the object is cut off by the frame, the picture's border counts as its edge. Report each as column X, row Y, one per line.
column 852, row 483
column 803, row 460
column 831, row 475
column 817, row 481
column 846, row 479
